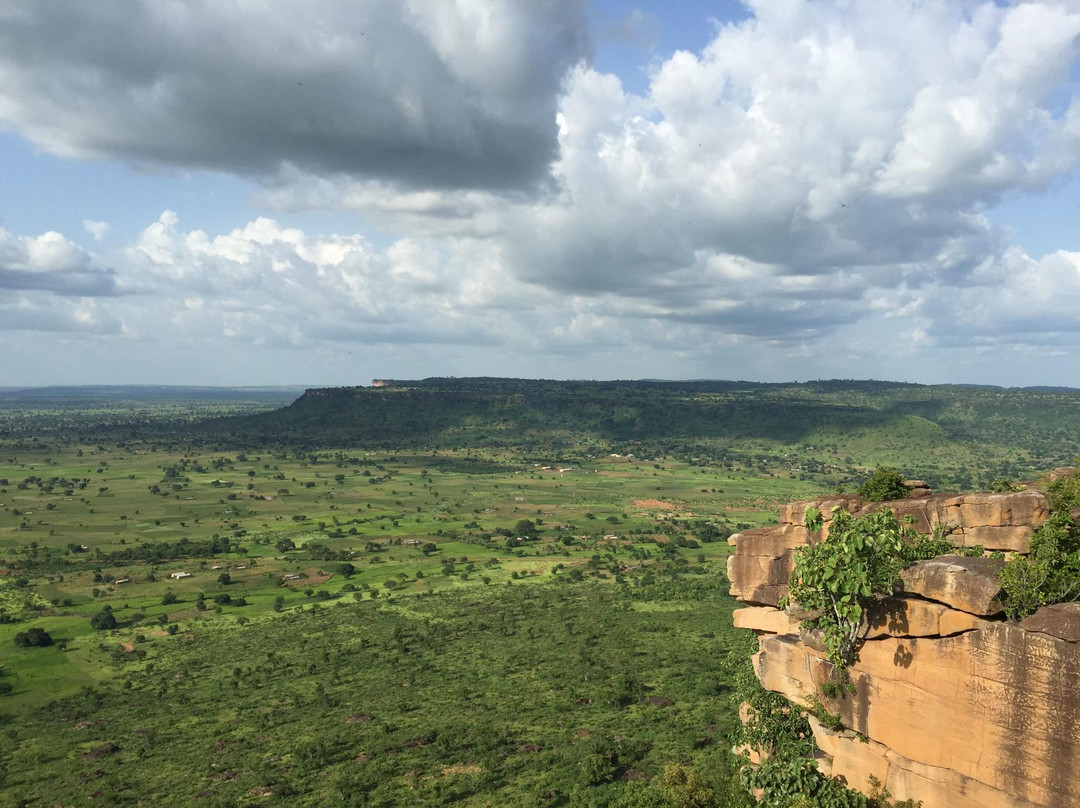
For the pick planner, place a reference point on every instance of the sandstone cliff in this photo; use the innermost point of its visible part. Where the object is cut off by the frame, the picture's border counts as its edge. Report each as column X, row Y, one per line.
column 952, row 705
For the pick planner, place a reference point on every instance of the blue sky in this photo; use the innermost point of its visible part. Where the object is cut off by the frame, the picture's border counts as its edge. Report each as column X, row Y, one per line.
column 323, row 194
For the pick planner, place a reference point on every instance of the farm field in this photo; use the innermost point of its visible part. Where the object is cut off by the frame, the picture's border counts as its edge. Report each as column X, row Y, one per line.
column 147, row 533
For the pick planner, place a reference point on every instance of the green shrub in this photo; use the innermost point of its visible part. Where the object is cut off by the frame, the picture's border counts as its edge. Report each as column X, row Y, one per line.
column 1064, row 493
column 104, row 620
column 884, row 484
column 33, row 638
column 842, row 576
column 1050, row 573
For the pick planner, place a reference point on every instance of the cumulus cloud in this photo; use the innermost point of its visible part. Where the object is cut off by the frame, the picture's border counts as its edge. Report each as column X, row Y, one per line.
column 812, row 186
column 32, row 311
column 810, row 162
column 96, row 229
column 52, row 263
column 450, row 94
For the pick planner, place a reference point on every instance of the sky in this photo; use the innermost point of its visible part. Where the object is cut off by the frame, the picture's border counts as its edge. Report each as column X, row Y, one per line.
column 235, row 192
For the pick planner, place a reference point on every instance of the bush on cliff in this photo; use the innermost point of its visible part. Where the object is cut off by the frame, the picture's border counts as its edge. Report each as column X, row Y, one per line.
column 842, row 576
column 1050, row 573
column 884, row 484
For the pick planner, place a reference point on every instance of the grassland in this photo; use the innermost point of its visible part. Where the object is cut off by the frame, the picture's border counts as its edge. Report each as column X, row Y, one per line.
column 75, row 522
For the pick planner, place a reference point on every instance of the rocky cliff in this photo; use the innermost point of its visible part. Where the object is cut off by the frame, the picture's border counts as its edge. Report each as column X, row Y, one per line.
column 952, row 705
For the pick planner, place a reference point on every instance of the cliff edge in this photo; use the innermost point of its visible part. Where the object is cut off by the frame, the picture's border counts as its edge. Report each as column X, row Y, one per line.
column 951, row 704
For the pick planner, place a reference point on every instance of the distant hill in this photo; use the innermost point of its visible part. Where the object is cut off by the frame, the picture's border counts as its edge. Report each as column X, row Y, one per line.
column 105, row 394
column 497, row 412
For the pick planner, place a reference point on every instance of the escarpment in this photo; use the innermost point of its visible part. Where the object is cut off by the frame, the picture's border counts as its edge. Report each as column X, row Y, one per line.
column 948, row 703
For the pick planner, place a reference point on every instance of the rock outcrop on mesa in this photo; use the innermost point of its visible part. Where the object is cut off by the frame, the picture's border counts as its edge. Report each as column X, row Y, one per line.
column 952, row 705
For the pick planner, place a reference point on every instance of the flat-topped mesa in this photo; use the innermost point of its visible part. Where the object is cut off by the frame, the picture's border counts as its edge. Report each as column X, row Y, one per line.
column 952, row 705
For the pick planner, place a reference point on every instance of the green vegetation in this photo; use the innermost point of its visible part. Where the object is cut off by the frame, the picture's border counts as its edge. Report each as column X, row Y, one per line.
column 472, row 592
column 883, row 485
column 511, row 695
column 958, row 437
column 842, row 576
column 1050, row 573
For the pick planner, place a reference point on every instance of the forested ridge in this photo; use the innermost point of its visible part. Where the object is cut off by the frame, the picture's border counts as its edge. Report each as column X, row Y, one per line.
column 666, row 415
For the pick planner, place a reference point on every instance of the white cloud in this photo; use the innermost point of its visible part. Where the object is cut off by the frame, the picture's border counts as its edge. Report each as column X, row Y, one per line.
column 96, row 229
column 51, row 263
column 809, row 188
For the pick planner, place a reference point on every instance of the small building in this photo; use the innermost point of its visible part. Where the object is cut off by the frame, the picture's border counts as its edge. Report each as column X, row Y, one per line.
column 176, row 576
column 119, row 581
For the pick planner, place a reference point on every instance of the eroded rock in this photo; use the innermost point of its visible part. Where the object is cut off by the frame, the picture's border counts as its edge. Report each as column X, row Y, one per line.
column 968, row 584
column 998, row 706
column 1062, row 620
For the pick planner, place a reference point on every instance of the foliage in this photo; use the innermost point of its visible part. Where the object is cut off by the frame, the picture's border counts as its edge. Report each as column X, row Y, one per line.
column 104, row 620
column 772, row 725
column 682, row 787
column 885, row 484
column 1050, row 573
column 1064, row 492
column 786, row 782
column 881, row 798
column 483, row 696
column 918, row 547
column 33, row 638
column 843, row 575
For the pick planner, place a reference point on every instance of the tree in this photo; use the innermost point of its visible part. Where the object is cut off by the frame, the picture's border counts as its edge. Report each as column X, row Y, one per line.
column 1050, row 573
column 284, row 545
column 884, row 484
column 525, row 528
column 33, row 638
column 224, row 579
column 104, row 620
column 347, row 569
column 685, row 788
column 168, row 599
column 843, row 575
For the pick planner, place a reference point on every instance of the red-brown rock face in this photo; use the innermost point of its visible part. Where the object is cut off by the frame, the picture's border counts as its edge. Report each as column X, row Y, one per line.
column 952, row 705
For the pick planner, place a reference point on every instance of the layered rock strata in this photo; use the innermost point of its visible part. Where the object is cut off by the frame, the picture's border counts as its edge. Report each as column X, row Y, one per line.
column 951, row 705
column 763, row 560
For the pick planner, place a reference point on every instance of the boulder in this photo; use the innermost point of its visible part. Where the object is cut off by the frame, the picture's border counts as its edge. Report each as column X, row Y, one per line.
column 1061, row 620
column 853, row 760
column 968, row 584
column 765, row 620
column 913, row 617
column 794, row 513
column 1009, row 538
column 904, row 617
column 917, row 488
